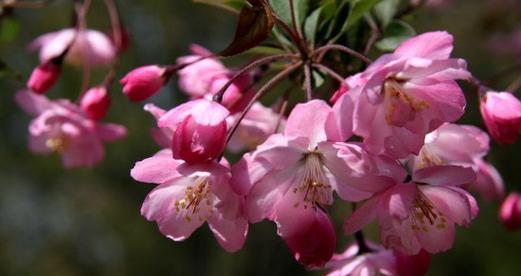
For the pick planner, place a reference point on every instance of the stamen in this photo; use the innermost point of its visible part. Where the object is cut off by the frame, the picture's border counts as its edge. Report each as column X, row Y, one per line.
column 395, row 95
column 59, row 143
column 427, row 158
column 423, row 212
column 314, row 183
column 191, row 205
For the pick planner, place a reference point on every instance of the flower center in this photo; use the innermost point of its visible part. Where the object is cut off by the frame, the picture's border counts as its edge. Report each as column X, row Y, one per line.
column 314, row 184
column 427, row 158
column 401, row 106
column 424, row 214
column 58, row 144
column 197, row 201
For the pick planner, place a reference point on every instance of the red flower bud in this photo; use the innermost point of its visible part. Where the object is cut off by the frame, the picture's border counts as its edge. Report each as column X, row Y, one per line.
column 44, row 77
column 143, row 82
column 510, row 212
column 96, row 102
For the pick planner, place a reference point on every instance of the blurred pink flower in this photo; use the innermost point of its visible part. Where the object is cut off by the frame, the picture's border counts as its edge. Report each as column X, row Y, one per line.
column 90, row 46
column 188, row 196
column 63, row 127
column 510, row 212
column 95, row 102
column 143, row 82
column 199, row 130
column 403, row 96
column 353, row 262
column 502, row 115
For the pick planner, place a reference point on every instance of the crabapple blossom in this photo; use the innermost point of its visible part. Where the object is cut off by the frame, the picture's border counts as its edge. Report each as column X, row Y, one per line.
column 502, row 115
column 510, row 212
column 199, row 130
column 353, row 262
column 405, row 95
column 86, row 46
column 61, row 126
column 95, row 102
column 44, row 77
column 188, row 196
column 143, row 82
column 415, row 265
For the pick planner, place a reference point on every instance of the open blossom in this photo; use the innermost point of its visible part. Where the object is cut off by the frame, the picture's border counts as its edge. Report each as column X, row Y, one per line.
column 206, row 77
column 257, row 125
column 353, row 262
column 510, row 212
column 405, row 95
column 90, row 46
column 188, row 196
column 63, row 127
column 292, row 174
column 502, row 115
column 95, row 102
column 143, row 82
column 44, row 77
column 199, row 130
column 421, row 213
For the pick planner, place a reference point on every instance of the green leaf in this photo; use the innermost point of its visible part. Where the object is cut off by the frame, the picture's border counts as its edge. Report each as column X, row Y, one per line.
column 283, row 10
column 358, row 9
column 386, row 10
column 229, row 5
column 318, row 79
column 394, row 34
column 329, row 8
column 254, row 26
column 311, row 25
column 9, row 29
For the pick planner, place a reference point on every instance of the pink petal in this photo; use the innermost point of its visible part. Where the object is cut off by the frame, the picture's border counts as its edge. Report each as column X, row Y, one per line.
column 33, row 104
column 308, row 120
column 445, row 175
column 432, row 45
column 339, row 124
column 456, row 204
column 362, row 216
column 231, row 234
column 158, row 169
column 111, row 132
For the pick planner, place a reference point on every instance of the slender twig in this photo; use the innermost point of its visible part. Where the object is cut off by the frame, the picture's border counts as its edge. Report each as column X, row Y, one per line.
column 296, row 26
column 330, row 72
column 115, row 23
column 362, row 245
column 219, row 95
column 344, row 49
column 515, row 85
column 375, row 33
column 81, row 26
column 269, row 85
column 308, row 83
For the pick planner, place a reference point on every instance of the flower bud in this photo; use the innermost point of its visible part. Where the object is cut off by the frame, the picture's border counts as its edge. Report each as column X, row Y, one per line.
column 502, row 115
column 510, row 212
column 199, row 130
column 143, row 82
column 415, row 265
column 314, row 243
column 95, row 103
column 44, row 77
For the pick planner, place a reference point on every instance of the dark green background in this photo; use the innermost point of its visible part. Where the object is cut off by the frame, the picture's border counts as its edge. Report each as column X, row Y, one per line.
column 85, row 222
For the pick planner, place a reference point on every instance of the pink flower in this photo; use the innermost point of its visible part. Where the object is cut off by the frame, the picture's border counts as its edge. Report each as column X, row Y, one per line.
column 62, row 127
column 44, row 77
column 422, row 213
column 311, row 238
column 199, row 130
column 415, row 265
column 162, row 136
column 206, row 77
column 187, row 196
column 502, row 115
column 407, row 94
column 143, row 82
column 256, row 126
column 90, row 46
column 95, row 103
column 510, row 212
column 353, row 262
column 489, row 183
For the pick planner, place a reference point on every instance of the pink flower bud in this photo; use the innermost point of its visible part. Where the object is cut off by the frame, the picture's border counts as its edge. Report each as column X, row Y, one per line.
column 95, row 103
column 502, row 115
column 44, row 77
column 314, row 244
column 415, row 265
column 143, row 82
column 510, row 212
column 199, row 130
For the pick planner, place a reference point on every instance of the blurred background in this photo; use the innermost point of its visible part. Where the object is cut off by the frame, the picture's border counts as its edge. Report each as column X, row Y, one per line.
column 86, row 222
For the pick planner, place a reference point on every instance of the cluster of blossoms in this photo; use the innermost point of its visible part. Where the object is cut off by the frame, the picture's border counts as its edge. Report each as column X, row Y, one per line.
column 386, row 142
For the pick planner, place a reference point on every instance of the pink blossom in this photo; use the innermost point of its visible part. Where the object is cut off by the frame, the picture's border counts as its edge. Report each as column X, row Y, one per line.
column 95, row 102
column 44, row 77
column 162, row 136
column 502, row 115
column 353, row 262
column 415, row 265
column 421, row 213
column 199, row 130
column 489, row 183
column 258, row 123
column 62, row 127
column 407, row 94
column 510, row 212
column 143, row 82
column 188, row 195
column 90, row 46
column 206, row 77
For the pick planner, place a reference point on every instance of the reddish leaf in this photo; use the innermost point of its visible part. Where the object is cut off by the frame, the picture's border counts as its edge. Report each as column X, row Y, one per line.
column 255, row 24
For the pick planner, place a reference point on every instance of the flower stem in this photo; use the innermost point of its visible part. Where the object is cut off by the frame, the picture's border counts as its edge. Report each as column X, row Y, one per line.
column 322, row 50
column 330, row 72
column 308, row 83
